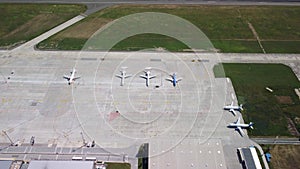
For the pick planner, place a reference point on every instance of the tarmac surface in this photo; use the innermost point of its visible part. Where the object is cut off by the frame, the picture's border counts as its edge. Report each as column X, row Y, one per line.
column 37, row 101
column 36, row 97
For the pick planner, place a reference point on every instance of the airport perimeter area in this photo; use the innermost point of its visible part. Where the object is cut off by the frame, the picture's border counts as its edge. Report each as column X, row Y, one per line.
column 186, row 123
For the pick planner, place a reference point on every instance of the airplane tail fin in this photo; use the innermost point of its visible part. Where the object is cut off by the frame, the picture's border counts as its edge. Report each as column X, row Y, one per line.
column 251, row 125
column 241, row 107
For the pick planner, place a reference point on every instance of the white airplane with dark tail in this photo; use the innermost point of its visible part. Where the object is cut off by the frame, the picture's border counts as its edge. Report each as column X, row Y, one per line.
column 174, row 79
column 239, row 126
column 147, row 76
column 123, row 76
column 71, row 78
column 233, row 108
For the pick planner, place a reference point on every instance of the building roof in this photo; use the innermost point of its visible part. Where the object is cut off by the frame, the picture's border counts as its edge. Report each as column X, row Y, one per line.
column 61, row 164
column 5, row 164
column 249, row 162
column 250, row 158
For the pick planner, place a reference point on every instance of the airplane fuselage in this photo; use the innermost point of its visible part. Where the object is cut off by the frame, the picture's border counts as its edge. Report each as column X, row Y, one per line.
column 174, row 80
column 239, row 125
column 232, row 107
column 72, row 77
column 71, row 80
column 147, row 76
column 123, row 76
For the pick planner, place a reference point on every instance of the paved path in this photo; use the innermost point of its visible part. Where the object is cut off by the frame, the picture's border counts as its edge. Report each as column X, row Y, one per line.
column 294, row 141
column 30, row 44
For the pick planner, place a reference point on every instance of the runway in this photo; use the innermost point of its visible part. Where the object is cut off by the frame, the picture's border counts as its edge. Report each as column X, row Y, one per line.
column 95, row 5
column 158, row 1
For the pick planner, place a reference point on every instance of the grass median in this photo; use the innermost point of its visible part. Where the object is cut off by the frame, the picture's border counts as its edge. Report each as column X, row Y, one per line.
column 22, row 22
column 273, row 113
column 227, row 27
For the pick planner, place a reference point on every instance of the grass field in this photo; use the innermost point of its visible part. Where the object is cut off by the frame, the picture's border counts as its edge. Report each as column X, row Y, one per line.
column 283, row 156
column 144, row 41
column 282, row 46
column 118, row 165
column 268, row 110
column 226, row 26
column 22, row 22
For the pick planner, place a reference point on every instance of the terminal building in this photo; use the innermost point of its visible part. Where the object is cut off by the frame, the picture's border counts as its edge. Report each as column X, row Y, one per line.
column 50, row 164
column 249, row 158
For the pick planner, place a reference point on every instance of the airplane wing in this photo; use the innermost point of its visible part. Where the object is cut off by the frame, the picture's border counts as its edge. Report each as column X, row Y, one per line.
column 66, row 77
column 118, row 76
column 240, row 130
column 179, row 79
column 143, row 76
column 128, row 76
column 232, row 111
column 75, row 78
column 169, row 79
column 150, row 77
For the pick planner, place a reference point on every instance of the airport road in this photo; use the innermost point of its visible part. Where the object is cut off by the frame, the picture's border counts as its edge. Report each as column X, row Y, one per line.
column 294, row 141
column 159, row 1
column 262, row 154
column 95, row 5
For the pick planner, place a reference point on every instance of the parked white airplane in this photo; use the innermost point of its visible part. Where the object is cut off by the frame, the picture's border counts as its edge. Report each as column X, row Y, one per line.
column 232, row 108
column 147, row 76
column 123, row 76
column 71, row 78
column 174, row 79
column 238, row 126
